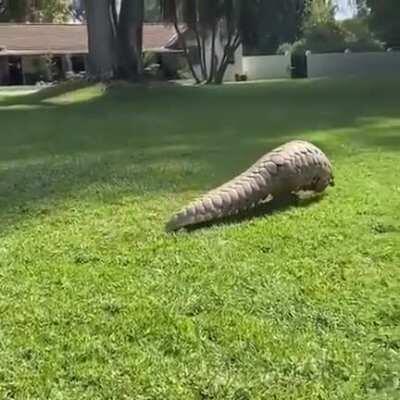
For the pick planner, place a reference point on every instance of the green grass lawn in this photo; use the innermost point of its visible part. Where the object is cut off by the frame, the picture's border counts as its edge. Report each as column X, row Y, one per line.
column 98, row 302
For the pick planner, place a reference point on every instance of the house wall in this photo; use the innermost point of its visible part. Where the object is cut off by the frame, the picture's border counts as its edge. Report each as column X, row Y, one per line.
column 267, row 67
column 358, row 64
column 4, row 71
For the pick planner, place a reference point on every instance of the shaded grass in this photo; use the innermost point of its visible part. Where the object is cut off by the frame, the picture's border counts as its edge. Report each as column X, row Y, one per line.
column 97, row 302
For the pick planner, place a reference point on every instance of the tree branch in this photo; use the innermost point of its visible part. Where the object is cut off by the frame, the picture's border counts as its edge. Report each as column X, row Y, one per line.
column 199, row 49
column 212, row 68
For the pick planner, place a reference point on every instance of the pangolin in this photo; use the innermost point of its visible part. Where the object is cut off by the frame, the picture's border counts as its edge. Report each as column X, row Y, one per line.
column 292, row 168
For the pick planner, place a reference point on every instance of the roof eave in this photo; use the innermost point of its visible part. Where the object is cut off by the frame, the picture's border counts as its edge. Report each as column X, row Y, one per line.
column 17, row 53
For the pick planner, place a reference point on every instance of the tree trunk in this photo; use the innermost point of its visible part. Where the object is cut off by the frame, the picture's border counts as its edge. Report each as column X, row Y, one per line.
column 229, row 52
column 130, row 39
column 182, row 40
column 213, row 56
column 101, row 60
column 219, row 75
column 202, row 60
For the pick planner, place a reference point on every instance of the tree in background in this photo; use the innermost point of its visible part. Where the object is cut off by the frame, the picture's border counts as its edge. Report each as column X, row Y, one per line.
column 52, row 10
column 212, row 24
column 15, row 10
column 34, row 10
column 152, row 12
column 275, row 22
column 322, row 33
column 385, row 20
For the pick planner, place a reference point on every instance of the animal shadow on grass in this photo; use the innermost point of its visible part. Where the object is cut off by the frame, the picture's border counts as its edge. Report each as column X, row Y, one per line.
column 277, row 205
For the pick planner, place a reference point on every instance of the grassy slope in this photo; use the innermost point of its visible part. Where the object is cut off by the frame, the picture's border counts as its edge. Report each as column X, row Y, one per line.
column 97, row 302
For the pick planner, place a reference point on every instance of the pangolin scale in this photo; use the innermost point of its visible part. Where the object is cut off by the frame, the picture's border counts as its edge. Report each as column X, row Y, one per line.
column 289, row 169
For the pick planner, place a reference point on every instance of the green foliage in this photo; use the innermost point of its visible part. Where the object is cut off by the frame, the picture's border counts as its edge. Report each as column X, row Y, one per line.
column 285, row 48
column 41, row 68
column 325, row 37
column 97, row 302
column 323, row 34
column 152, row 11
column 56, row 11
column 319, row 13
column 14, row 10
column 359, row 37
column 275, row 22
column 385, row 20
column 35, row 11
column 299, row 48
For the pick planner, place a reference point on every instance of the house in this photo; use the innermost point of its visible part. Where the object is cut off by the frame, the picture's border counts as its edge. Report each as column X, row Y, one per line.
column 35, row 52
column 27, row 50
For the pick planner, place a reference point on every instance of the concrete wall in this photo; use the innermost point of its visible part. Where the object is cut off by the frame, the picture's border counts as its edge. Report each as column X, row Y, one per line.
column 267, row 67
column 357, row 64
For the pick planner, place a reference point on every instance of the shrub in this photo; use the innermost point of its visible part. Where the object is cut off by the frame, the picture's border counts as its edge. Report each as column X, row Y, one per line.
column 284, row 48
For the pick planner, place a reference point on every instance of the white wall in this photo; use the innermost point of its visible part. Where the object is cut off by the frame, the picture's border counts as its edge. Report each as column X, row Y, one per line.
column 341, row 64
column 267, row 67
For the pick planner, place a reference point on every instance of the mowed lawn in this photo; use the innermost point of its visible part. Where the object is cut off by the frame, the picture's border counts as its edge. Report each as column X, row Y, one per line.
column 98, row 302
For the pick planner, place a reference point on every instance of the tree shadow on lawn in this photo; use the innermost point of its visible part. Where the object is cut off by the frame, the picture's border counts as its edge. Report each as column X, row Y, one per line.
column 158, row 141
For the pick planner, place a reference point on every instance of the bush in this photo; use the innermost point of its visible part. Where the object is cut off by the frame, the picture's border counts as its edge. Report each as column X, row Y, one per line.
column 328, row 37
column 296, row 48
column 360, row 45
column 331, row 37
column 323, row 34
column 284, row 48
column 359, row 37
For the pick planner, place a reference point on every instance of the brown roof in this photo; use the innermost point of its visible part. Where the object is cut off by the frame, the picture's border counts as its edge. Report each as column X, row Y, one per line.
column 157, row 36
column 66, row 38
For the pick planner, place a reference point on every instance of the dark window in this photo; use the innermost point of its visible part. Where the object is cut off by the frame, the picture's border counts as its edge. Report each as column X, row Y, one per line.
column 78, row 64
column 15, row 68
